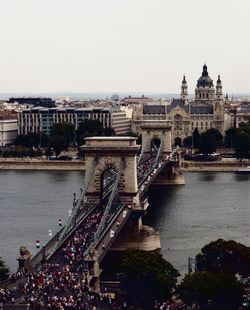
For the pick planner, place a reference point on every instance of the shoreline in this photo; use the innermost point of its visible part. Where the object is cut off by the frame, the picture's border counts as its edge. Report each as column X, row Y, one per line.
column 215, row 166
column 41, row 164
column 79, row 165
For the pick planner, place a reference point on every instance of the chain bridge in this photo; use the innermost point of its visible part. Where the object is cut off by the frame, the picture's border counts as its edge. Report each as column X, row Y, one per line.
column 107, row 214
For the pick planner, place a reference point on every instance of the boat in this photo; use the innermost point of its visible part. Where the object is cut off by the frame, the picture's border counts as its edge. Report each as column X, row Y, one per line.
column 243, row 170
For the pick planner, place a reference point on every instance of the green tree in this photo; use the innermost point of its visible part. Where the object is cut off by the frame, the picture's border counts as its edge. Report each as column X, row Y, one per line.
column 188, row 141
column 230, row 137
column 4, row 270
column 29, row 140
column 210, row 141
column 215, row 291
column 65, row 131
column 147, row 276
column 58, row 143
column 92, row 128
column 196, row 138
column 242, row 145
column 225, row 256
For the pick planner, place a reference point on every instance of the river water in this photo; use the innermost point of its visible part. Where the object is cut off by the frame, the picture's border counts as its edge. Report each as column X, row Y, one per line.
column 208, row 207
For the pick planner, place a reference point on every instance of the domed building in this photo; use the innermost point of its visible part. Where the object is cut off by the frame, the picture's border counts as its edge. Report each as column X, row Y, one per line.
column 204, row 112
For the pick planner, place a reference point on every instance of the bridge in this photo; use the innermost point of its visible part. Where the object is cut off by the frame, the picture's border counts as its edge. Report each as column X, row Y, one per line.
column 107, row 214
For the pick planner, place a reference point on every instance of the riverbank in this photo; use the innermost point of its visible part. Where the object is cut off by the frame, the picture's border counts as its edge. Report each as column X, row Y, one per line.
column 40, row 164
column 214, row 166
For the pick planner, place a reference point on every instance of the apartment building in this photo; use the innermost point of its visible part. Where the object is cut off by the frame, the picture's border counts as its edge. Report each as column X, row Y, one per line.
column 39, row 119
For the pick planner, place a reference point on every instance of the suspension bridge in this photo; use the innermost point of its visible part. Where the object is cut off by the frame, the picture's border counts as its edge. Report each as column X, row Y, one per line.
column 107, row 214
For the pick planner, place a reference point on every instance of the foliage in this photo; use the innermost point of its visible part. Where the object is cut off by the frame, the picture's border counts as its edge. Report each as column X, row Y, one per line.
column 65, row 131
column 239, row 138
column 58, row 143
column 242, row 145
column 32, row 140
column 19, row 151
column 213, row 291
column 210, row 141
column 230, row 137
column 196, row 138
column 225, row 256
column 4, row 270
column 188, row 141
column 177, row 141
column 91, row 128
column 147, row 276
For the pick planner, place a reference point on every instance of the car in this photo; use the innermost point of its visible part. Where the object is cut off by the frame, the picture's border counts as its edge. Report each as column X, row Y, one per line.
column 64, row 157
column 52, row 158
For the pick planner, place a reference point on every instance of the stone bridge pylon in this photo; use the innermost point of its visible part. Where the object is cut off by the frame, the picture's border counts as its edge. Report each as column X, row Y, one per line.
column 111, row 154
column 156, row 131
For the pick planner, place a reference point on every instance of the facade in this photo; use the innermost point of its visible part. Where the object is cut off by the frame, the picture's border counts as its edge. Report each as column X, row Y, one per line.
column 242, row 114
column 206, row 111
column 39, row 119
column 8, row 131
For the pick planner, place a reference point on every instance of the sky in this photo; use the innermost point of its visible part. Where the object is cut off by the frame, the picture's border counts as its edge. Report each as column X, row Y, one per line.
column 122, row 45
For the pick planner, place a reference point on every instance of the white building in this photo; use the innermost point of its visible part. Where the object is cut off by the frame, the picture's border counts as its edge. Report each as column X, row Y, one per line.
column 8, row 131
column 40, row 119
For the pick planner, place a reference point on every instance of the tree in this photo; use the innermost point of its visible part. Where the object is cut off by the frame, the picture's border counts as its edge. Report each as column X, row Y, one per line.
column 225, row 256
column 29, row 140
column 4, row 270
column 242, row 145
column 147, row 276
column 188, row 141
column 196, row 138
column 58, row 143
column 210, row 141
column 230, row 137
column 108, row 132
column 65, row 131
column 91, row 128
column 213, row 291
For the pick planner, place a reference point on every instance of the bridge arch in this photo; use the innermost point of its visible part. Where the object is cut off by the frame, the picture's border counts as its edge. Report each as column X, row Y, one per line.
column 177, row 141
column 154, row 131
column 111, row 153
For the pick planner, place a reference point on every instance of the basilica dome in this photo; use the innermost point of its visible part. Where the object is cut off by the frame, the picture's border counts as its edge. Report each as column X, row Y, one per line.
column 205, row 79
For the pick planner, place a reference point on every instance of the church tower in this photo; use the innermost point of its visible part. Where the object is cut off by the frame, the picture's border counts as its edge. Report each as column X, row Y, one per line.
column 219, row 107
column 219, row 94
column 184, row 90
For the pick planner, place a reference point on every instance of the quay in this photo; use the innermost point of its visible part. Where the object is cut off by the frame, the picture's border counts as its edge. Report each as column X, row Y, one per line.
column 41, row 164
column 215, row 166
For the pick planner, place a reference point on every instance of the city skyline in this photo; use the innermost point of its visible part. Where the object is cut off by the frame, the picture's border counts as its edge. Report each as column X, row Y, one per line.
column 122, row 46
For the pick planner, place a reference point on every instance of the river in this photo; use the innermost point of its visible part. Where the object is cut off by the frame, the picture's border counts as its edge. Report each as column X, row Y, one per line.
column 208, row 207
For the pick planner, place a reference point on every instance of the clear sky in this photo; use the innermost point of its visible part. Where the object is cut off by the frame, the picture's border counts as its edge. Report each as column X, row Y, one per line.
column 122, row 45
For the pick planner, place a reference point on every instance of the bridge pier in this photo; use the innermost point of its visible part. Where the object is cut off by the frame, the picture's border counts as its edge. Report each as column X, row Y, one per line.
column 137, row 236
column 171, row 175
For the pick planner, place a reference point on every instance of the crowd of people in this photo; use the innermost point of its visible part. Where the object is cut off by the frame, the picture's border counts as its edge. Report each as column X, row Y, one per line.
column 61, row 283
column 146, row 166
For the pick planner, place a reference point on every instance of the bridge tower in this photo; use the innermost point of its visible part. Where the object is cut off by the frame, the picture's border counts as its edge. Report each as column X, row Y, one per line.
column 160, row 131
column 156, row 130
column 110, row 153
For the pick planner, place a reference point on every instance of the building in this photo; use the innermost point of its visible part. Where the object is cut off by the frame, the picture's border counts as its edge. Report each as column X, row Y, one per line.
column 133, row 100
column 242, row 114
column 39, row 119
column 206, row 111
column 33, row 101
column 8, row 128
